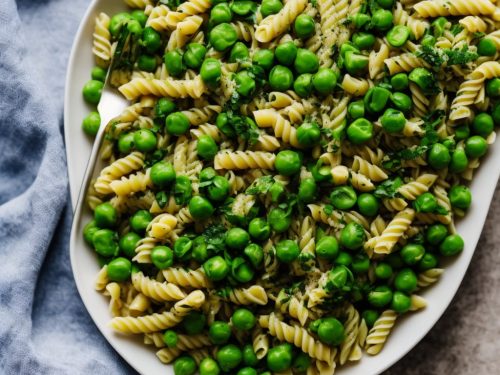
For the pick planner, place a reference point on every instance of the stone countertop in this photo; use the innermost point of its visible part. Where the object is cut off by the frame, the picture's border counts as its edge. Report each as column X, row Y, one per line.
column 466, row 340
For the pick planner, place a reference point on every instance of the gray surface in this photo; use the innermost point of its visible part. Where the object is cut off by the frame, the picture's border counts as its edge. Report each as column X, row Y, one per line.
column 466, row 340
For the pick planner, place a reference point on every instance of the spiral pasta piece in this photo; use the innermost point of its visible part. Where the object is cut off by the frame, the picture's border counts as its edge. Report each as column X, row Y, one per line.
column 117, row 169
column 102, row 40
column 371, row 171
column 244, row 160
column 297, row 336
column 276, row 24
column 270, row 118
column 132, row 184
column 394, row 231
column 194, row 88
column 247, row 296
column 159, row 321
column 436, row 8
column 156, row 290
column 187, row 278
column 378, row 334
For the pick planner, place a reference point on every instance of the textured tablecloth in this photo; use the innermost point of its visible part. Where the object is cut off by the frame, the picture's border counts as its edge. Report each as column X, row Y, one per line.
column 44, row 327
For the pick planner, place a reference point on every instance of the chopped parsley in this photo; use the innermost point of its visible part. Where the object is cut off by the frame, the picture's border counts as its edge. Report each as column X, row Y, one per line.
column 214, row 236
column 260, row 186
column 388, row 188
column 437, row 57
column 161, row 198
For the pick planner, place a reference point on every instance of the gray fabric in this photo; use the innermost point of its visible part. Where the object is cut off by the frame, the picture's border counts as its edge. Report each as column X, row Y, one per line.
column 44, row 327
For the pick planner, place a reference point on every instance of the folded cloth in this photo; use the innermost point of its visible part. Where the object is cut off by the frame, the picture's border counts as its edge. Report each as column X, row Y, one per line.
column 44, row 327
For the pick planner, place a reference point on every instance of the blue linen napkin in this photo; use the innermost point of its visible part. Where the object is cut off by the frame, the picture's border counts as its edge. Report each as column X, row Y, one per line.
column 44, row 327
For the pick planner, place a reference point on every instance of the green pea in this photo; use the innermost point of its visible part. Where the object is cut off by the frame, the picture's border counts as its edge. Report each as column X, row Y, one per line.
column 216, row 268
column 360, row 264
column 241, row 271
column 383, row 271
column 355, row 63
column 200, row 208
column 126, row 143
column 343, row 197
column 128, row 243
column 92, row 91
column 460, row 197
column 331, row 332
column 439, row 26
column 116, row 22
column 140, row 221
column 91, row 124
column 238, row 53
column 182, row 247
column 376, row 99
column 243, row 7
column 105, row 242
column 399, row 82
column 368, row 204
column 286, row 53
column 139, row 16
column 200, row 250
column 380, row 296
column 247, row 371
column 279, row 358
column 98, row 74
column 288, row 162
column 363, row 40
column 495, row 114
column 493, row 88
column 134, row 27
column 324, row 81
column 360, row 131
column 209, row 367
column 321, row 173
column 219, row 189
column 426, row 202
column 303, row 85
column 89, row 231
column 183, row 190
column 259, row 229
column 146, row 63
column 177, row 123
column 105, row 215
column 308, row 134
column 219, row 332
column 164, row 107
column 439, row 156
column 306, row 61
column 255, row 254
column 370, row 317
column 184, row 365
column 221, row 13
column 249, row 357
column 307, row 190
column 356, row 109
column 301, row 363
column 280, row 78
column 476, row 146
column 263, row 58
column 211, row 71
column 277, row 192
column 269, row 7
column 304, row 26
column 206, row 147
column 162, row 257
column 401, row 101
column 459, row 161
column 119, row 269
column 483, row 125
column 423, row 78
column 412, row 253
column 344, row 259
column 436, row 233
column 337, row 277
column 174, row 63
column 279, row 220
column 287, row 251
column 314, row 325
column 352, row 236
column 162, row 174
column 486, row 47
column 393, row 121
column 382, row 19
column 406, row 281
column 245, row 84
column 398, row 35
column 243, row 319
column 194, row 322
column 170, row 338
column 401, row 303
column 347, row 47
column 151, row 39
column 145, row 140
column 223, row 124
column 194, row 55
column 360, row 20
column 452, row 245
column 229, row 357
column 327, row 248
column 237, row 238
column 223, row 36
column 428, row 262
column 462, row 132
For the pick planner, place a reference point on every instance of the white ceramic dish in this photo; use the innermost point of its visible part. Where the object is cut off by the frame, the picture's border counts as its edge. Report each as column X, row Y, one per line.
column 407, row 333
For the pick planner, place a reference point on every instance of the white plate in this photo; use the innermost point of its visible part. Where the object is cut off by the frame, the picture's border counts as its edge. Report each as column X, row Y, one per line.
column 407, row 333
